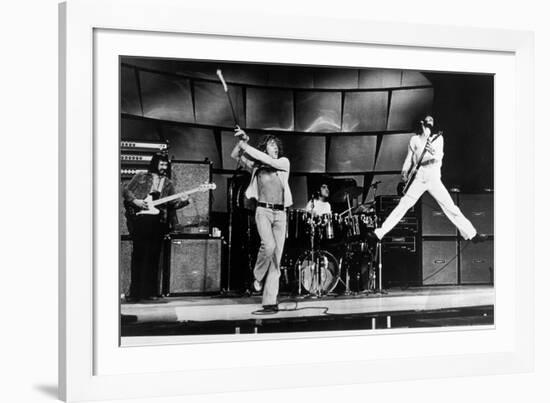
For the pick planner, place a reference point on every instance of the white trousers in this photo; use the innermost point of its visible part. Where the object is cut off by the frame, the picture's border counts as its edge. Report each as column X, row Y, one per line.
column 429, row 180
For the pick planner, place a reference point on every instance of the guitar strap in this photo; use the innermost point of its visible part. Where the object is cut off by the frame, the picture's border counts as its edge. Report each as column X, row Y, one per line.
column 158, row 184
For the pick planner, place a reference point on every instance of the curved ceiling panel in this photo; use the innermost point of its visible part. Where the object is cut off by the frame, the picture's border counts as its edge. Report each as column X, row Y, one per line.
column 318, row 111
column 407, row 106
column 393, row 151
column 212, row 106
column 269, row 109
column 365, row 111
column 351, row 153
column 166, row 97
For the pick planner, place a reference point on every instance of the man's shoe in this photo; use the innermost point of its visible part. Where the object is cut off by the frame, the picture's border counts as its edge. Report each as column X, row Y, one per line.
column 269, row 308
column 257, row 286
column 479, row 238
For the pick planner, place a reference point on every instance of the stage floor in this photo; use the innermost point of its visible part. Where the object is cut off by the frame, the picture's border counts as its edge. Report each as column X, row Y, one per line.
column 413, row 307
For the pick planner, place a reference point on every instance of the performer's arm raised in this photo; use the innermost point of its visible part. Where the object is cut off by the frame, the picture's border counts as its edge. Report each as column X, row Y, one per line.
column 282, row 164
column 238, row 154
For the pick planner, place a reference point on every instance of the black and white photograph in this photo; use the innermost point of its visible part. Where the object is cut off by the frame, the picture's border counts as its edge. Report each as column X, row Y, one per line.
column 273, row 199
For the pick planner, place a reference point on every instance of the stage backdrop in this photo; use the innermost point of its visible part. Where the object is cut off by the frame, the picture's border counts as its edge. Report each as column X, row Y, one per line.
column 344, row 122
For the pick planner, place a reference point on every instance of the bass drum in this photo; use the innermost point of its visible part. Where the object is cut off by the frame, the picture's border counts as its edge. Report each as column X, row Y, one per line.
column 318, row 272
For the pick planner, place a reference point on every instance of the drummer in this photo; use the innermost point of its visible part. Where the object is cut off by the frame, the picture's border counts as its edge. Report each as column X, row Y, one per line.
column 319, row 204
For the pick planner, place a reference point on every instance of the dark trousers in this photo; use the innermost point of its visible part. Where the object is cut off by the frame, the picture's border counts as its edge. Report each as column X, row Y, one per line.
column 147, row 233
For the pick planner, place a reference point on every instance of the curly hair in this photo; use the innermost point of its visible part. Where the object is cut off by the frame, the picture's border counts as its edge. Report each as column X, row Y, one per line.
column 154, row 163
column 262, row 145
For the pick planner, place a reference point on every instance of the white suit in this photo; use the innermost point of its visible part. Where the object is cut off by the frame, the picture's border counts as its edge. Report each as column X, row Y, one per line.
column 428, row 178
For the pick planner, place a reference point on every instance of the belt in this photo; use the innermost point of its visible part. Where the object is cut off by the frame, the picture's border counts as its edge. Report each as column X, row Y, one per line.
column 429, row 162
column 271, row 206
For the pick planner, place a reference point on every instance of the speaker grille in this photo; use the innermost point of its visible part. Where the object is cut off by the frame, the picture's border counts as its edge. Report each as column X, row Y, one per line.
column 434, row 221
column 195, row 266
column 476, row 263
column 439, row 262
column 194, row 218
column 125, row 260
column 478, row 208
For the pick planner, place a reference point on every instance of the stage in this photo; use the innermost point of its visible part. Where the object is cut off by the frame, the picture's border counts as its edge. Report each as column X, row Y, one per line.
column 415, row 307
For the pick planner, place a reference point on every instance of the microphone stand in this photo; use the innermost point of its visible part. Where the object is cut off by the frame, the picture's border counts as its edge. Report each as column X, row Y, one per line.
column 378, row 252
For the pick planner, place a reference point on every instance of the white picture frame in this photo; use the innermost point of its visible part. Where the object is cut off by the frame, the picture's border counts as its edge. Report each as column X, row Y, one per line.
column 91, row 366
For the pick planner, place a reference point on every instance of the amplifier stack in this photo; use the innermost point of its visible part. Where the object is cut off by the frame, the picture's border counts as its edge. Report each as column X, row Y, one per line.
column 446, row 258
column 399, row 246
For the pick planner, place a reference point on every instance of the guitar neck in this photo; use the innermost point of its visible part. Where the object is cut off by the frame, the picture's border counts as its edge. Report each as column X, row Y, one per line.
column 173, row 197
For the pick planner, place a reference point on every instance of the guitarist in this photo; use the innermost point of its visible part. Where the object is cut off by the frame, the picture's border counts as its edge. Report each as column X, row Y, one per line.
column 148, row 231
column 427, row 178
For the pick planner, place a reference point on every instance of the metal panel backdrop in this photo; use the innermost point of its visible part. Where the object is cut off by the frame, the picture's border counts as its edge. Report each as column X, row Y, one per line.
column 365, row 111
column 244, row 74
column 318, row 111
column 407, row 106
column 351, row 153
column 166, row 97
column 129, row 95
column 212, row 106
column 192, row 144
column 269, row 109
column 327, row 78
column 306, row 153
column 219, row 195
column 412, row 78
column 290, row 77
column 387, row 187
column 298, row 187
column 379, row 78
column 139, row 129
column 393, row 151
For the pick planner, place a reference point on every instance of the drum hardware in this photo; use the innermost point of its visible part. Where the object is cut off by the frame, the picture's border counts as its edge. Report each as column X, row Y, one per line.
column 343, row 195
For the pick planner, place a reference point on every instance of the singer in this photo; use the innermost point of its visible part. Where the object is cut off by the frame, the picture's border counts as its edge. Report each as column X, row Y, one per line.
column 269, row 186
column 428, row 178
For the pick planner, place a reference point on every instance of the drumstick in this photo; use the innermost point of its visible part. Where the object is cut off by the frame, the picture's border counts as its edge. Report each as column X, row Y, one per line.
column 220, row 76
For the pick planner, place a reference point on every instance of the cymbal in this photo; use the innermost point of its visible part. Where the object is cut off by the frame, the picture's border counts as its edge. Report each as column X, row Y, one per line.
column 351, row 191
column 363, row 208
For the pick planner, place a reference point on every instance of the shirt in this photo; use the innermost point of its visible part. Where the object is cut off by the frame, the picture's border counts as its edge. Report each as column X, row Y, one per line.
column 319, row 207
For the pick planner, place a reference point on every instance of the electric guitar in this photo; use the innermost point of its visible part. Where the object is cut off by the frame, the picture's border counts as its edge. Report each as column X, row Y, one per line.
column 152, row 202
column 402, row 187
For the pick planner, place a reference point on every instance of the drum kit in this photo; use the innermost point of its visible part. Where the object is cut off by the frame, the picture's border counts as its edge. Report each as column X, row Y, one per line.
column 334, row 248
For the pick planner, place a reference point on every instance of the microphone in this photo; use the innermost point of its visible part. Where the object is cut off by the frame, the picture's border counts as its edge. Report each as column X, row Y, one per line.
column 375, row 184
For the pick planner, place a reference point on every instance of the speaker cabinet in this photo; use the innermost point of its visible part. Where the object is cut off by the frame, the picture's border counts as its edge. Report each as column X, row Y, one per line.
column 122, row 218
column 187, row 175
column 434, row 220
column 476, row 263
column 439, row 262
column 125, row 260
column 195, row 266
column 478, row 208
column 400, row 267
